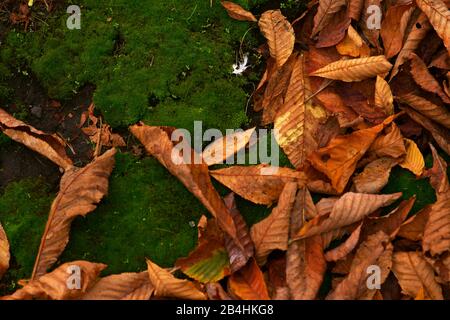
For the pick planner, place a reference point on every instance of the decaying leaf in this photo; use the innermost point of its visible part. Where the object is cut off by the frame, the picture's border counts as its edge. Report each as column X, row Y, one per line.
column 374, row 176
column 350, row 208
column 195, row 177
column 414, row 160
column 353, row 45
column 273, row 232
column 389, row 144
column 248, row 283
column 383, row 96
column 346, row 247
column 237, row 12
column 4, row 252
column 166, row 285
column 125, row 286
column 260, row 184
column 325, row 12
column 48, row 145
column 439, row 16
column 354, row 69
column 279, row 34
column 354, row 285
column 338, row 160
column 225, row 147
column 54, row 285
column 81, row 189
column 413, row 273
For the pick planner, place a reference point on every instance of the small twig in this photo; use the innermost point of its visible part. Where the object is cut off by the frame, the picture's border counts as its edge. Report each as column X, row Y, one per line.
column 323, row 87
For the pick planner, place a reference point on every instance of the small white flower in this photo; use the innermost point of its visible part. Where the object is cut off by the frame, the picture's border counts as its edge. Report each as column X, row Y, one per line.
column 241, row 66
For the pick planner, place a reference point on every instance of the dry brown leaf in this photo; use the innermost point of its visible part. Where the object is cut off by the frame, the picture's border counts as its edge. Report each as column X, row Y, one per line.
column 325, row 12
column 195, row 177
column 298, row 122
column 419, row 30
column 439, row 16
column 438, row 113
column 104, row 136
column 124, row 286
column 424, row 79
column 338, row 160
column 238, row 257
column 441, row 60
column 248, row 283
column 279, row 34
column 215, row 291
column 260, row 184
column 48, row 145
column 413, row 228
column 54, row 285
column 235, row 11
column 413, row 272
column 273, row 232
column 375, row 176
column 351, row 70
column 438, row 175
column 354, row 9
column 390, row 144
column 350, row 208
column 81, row 189
column 354, row 285
column 346, row 247
column 166, row 285
column 226, row 147
column 393, row 28
column 353, row 45
column 414, row 160
column 440, row 134
column 383, row 96
column 334, row 32
column 4, row 252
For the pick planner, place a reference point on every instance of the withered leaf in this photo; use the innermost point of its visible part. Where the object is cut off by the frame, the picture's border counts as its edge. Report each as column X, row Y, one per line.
column 440, row 134
column 81, row 189
column 261, row 184
column 390, row 144
column 351, row 70
column 298, row 122
column 279, row 34
column 375, row 176
column 48, row 145
column 338, row 160
column 238, row 256
column 124, row 286
column 325, row 12
column 438, row 113
column 425, row 79
column 439, row 16
column 354, row 284
column 166, row 285
column 4, row 252
column 235, row 11
column 248, row 283
column 413, row 273
column 414, row 160
column 346, row 247
column 226, row 147
column 353, row 45
column 273, row 232
column 383, row 96
column 413, row 228
column 54, row 286
column 350, row 208
column 195, row 177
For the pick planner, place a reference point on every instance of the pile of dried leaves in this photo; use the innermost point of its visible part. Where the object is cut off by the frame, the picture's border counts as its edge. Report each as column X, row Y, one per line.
column 349, row 103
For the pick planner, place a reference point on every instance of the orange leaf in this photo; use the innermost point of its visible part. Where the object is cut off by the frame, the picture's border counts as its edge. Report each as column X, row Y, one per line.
column 248, row 283
column 279, row 34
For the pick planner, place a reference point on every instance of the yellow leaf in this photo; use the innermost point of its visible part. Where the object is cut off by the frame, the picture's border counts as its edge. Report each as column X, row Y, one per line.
column 414, row 161
column 166, row 285
column 383, row 96
column 354, row 69
column 353, row 45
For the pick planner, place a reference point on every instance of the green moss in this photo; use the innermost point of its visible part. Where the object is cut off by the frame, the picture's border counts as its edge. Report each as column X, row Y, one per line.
column 24, row 206
column 178, row 53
